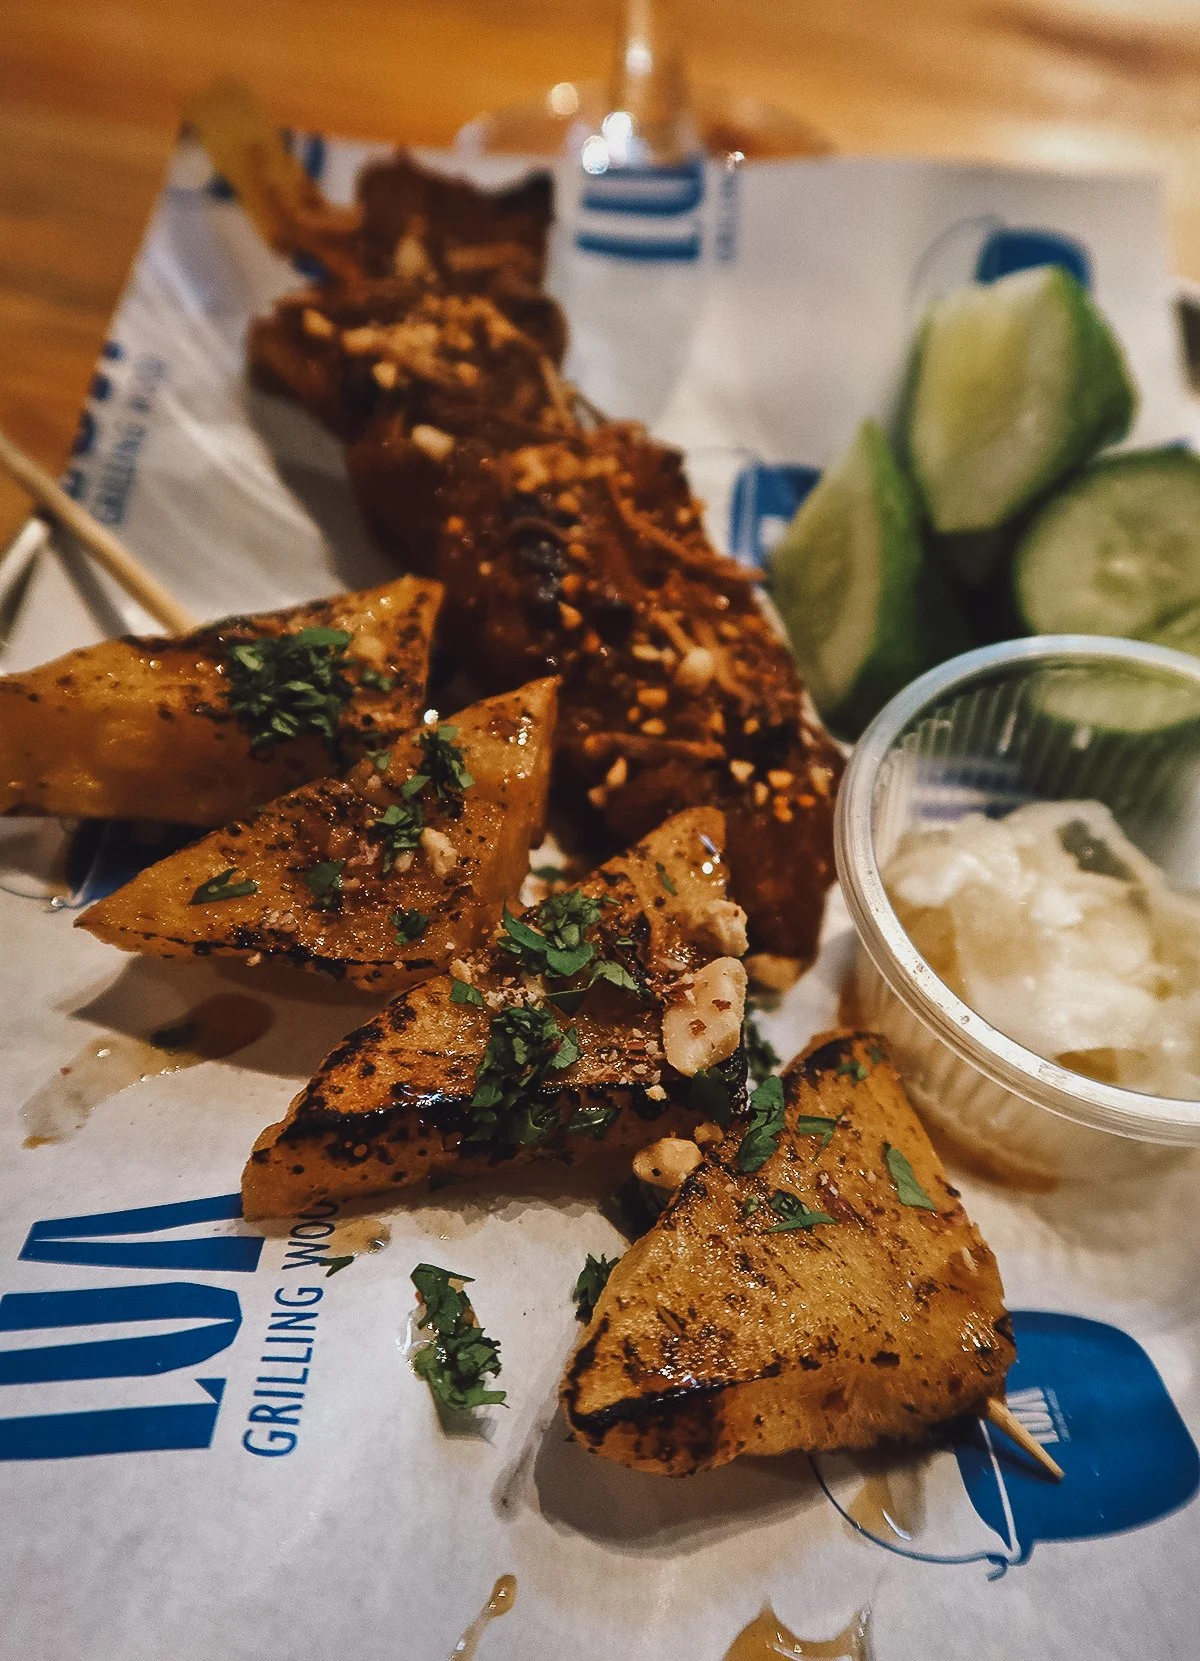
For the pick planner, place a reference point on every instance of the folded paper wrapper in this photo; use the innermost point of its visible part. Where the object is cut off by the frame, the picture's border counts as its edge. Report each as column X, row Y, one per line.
column 375, row 1526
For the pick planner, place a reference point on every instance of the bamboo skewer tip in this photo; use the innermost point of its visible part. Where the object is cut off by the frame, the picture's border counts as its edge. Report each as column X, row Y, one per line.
column 108, row 552
column 1005, row 1420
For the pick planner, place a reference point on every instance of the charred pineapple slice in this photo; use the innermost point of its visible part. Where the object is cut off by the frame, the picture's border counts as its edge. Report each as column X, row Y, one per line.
column 197, row 730
column 833, row 1296
column 364, row 877
column 583, row 1024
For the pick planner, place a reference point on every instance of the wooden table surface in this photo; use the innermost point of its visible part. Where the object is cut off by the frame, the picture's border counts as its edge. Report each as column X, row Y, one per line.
column 90, row 95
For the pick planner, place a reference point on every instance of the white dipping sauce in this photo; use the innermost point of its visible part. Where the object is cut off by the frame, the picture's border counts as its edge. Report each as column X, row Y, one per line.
column 1054, row 928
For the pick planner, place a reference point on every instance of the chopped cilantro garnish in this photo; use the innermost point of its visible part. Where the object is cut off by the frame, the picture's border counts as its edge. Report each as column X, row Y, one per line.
column 591, row 1121
column 766, row 1122
column 287, row 685
column 761, row 1055
column 854, row 1070
column 409, row 926
column 664, row 877
column 221, row 888
column 461, row 992
column 442, row 763
column 398, row 829
column 750, row 1205
column 547, row 873
column 325, row 883
column 525, row 1044
column 1091, row 853
column 719, row 1092
column 876, row 1054
column 593, row 1278
column 380, row 760
column 557, row 945
column 907, row 1186
column 811, row 1124
column 460, row 1355
column 793, row 1213
column 616, row 975
column 334, row 1265
column 375, row 680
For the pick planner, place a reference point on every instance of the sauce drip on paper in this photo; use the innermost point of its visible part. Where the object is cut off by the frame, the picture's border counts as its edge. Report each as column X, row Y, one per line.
column 890, row 1503
column 352, row 1235
column 218, row 1027
column 766, row 1638
column 504, row 1595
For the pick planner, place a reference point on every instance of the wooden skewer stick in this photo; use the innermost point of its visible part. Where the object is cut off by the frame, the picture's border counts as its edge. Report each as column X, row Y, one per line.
column 1006, row 1420
column 103, row 546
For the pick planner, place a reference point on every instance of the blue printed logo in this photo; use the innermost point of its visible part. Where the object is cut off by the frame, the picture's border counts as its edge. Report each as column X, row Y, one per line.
column 1087, row 1392
column 1006, row 251
column 211, row 1317
column 764, row 502
column 632, row 212
column 983, row 248
column 190, row 1323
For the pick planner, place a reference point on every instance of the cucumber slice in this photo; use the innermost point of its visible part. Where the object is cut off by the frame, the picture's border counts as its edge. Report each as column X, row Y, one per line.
column 1117, row 552
column 1014, row 384
column 1117, row 701
column 1121, row 735
column 863, row 610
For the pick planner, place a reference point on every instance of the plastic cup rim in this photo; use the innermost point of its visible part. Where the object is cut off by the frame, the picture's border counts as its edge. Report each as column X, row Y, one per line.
column 1129, row 1113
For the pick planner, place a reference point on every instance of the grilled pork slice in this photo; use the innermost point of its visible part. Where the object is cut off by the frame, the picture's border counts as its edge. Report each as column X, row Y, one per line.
column 365, row 877
column 582, row 1026
column 440, row 314
column 437, row 365
column 590, row 554
column 199, row 729
column 834, row 1297
column 405, row 218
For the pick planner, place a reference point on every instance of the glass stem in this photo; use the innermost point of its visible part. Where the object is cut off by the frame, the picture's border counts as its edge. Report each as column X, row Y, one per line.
column 648, row 80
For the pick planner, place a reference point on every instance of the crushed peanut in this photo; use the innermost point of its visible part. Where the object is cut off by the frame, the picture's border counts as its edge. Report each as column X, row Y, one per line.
column 617, row 773
column 667, row 1163
column 315, row 324
column 714, row 1000
column 696, row 669
column 439, row 851
column 436, row 444
column 742, row 771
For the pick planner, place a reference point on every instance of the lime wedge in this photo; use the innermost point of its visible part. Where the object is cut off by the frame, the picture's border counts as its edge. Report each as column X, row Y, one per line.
column 864, row 611
column 1013, row 384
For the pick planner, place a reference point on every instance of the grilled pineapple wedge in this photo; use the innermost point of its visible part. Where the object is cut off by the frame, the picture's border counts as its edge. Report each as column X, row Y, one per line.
column 196, row 730
column 833, row 1297
column 365, row 877
column 582, row 1025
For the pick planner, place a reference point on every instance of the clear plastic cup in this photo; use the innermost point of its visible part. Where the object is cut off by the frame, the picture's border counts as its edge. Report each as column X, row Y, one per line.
column 1026, row 720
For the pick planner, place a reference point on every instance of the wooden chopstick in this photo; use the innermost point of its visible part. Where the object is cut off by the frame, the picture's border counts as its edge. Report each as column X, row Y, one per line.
column 109, row 553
